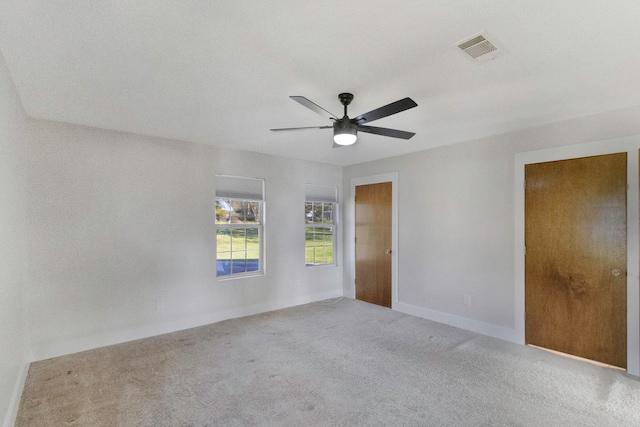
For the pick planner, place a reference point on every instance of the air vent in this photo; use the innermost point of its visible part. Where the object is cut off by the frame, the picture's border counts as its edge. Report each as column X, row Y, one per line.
column 479, row 48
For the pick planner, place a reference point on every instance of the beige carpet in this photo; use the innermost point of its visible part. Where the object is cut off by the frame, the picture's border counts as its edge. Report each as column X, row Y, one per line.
column 335, row 363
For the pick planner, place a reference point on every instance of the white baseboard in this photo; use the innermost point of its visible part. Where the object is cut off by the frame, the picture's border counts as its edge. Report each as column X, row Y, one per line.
column 459, row 322
column 110, row 338
column 14, row 404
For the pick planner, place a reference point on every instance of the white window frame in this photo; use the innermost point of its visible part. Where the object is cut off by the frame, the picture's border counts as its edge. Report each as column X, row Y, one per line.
column 234, row 193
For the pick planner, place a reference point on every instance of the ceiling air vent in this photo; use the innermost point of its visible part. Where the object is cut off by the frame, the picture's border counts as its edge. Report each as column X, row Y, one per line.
column 479, row 48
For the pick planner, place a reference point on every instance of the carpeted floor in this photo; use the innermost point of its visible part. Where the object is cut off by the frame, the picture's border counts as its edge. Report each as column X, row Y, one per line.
column 333, row 363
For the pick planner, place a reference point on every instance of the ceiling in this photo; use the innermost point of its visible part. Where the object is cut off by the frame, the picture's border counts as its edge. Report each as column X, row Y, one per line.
column 221, row 73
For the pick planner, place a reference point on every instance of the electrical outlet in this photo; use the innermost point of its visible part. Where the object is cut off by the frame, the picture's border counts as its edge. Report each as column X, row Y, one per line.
column 297, row 282
column 467, row 299
column 159, row 303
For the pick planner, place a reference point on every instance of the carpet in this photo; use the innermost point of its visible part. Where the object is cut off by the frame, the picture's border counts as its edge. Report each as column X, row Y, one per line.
column 333, row 363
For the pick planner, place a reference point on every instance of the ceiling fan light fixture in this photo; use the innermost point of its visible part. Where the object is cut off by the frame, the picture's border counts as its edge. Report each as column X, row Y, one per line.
column 345, row 138
column 345, row 130
column 344, row 134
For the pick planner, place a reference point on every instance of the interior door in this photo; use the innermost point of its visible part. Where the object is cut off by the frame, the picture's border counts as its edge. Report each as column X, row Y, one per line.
column 373, row 243
column 575, row 262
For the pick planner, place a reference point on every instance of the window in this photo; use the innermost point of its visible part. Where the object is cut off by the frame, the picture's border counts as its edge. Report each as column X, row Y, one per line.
column 239, row 225
column 320, row 226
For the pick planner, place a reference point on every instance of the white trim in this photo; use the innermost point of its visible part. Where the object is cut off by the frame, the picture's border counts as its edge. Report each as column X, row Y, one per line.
column 150, row 330
column 630, row 145
column 633, row 264
column 458, row 322
column 376, row 179
column 14, row 403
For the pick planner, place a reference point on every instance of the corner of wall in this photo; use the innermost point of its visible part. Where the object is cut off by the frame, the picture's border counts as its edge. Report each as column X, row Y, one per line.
column 16, row 394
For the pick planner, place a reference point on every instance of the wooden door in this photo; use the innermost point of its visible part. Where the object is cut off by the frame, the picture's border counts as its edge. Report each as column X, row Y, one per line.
column 575, row 262
column 373, row 243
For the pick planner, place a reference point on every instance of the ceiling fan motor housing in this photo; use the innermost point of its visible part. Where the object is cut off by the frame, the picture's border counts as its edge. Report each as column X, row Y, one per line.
column 344, row 131
column 344, row 125
column 345, row 98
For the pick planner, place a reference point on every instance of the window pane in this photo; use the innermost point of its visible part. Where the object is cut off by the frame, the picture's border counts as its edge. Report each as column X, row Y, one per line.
column 253, row 212
column 308, row 236
column 223, row 211
column 317, row 237
column 252, row 265
column 252, row 261
column 238, row 240
column 308, row 212
column 223, row 240
column 309, row 256
column 237, row 214
column 327, row 213
column 317, row 212
column 253, row 255
column 309, row 243
column 327, row 235
column 223, row 268
column 328, row 254
column 237, row 267
column 253, row 238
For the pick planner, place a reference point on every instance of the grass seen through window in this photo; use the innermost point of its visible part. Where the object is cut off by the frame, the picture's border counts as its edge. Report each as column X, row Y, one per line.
column 237, row 236
column 318, row 245
column 319, row 233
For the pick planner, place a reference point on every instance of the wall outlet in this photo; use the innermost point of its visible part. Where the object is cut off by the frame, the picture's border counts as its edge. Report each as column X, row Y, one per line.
column 297, row 282
column 159, row 303
column 467, row 299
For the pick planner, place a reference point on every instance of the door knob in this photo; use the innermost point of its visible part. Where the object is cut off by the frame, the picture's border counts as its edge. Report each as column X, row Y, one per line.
column 388, row 251
column 616, row 272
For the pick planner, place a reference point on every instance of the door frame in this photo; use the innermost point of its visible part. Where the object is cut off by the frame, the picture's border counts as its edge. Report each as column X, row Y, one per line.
column 350, row 232
column 630, row 145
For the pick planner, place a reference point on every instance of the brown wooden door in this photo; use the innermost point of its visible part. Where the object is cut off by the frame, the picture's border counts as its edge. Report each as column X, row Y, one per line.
column 373, row 243
column 575, row 263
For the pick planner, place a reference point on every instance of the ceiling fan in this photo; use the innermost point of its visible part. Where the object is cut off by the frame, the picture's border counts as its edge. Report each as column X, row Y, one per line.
column 345, row 130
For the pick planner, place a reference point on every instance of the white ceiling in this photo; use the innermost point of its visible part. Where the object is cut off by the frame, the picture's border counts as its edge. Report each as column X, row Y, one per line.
column 221, row 73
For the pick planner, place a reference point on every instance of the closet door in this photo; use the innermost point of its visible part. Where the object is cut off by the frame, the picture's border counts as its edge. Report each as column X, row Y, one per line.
column 575, row 262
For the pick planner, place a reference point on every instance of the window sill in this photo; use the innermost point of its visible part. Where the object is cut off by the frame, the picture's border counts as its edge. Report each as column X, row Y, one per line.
column 228, row 277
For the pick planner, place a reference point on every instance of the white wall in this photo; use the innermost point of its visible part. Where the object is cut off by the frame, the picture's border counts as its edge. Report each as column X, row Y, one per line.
column 13, row 330
column 117, row 220
column 456, row 221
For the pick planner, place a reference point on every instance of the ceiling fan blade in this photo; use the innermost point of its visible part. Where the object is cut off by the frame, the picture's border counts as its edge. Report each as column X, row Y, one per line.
column 387, row 110
column 314, row 107
column 386, row 132
column 306, row 127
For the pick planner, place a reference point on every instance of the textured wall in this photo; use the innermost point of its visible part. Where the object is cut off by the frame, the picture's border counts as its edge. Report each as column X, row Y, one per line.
column 118, row 220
